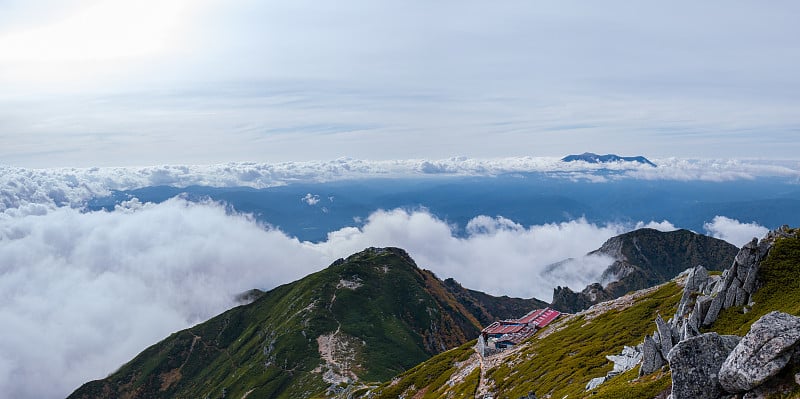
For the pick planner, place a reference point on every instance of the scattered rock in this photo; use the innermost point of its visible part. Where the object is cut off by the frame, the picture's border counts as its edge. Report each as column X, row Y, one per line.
column 595, row 382
column 695, row 282
column 696, row 278
column 762, row 353
column 629, row 358
column 623, row 362
column 714, row 308
column 695, row 363
column 665, row 335
column 651, row 357
column 701, row 308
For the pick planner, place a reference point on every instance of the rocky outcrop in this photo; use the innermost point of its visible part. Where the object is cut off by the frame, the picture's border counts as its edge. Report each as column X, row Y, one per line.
column 739, row 281
column 696, row 301
column 715, row 367
column 664, row 336
column 704, row 296
column 763, row 352
column 766, row 351
column 695, row 364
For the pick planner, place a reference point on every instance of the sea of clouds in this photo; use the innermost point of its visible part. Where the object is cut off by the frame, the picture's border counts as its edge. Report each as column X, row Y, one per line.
column 74, row 186
column 82, row 292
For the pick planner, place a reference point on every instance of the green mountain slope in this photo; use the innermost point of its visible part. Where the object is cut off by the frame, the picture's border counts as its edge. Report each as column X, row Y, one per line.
column 560, row 360
column 362, row 319
column 644, row 258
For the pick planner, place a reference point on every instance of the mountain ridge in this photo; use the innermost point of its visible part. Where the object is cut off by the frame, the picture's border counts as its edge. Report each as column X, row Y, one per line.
column 643, row 258
column 359, row 321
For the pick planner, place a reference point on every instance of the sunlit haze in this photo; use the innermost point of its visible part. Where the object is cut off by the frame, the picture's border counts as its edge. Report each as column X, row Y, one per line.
column 116, row 83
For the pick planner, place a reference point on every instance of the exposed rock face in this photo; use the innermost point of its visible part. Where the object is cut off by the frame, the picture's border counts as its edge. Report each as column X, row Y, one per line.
column 695, row 363
column 712, row 366
column 762, row 353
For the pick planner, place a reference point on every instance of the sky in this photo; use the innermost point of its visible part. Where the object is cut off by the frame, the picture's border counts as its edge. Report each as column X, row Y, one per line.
column 88, row 83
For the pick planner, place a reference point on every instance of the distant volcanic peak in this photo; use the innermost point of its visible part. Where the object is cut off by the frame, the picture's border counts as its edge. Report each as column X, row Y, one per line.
column 591, row 157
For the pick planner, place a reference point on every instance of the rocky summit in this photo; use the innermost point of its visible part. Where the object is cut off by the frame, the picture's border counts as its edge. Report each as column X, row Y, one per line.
column 643, row 258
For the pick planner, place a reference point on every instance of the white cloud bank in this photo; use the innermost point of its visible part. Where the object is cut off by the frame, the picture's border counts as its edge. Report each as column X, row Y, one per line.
column 734, row 231
column 84, row 292
column 20, row 187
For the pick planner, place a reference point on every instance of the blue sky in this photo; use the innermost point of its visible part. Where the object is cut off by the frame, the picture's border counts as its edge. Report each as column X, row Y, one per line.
column 114, row 83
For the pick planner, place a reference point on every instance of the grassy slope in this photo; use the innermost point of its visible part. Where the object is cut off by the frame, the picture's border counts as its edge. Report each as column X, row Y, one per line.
column 563, row 362
column 269, row 347
column 559, row 364
column 430, row 377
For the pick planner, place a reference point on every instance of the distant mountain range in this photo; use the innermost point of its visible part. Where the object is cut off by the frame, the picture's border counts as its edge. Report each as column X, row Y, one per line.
column 594, row 158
